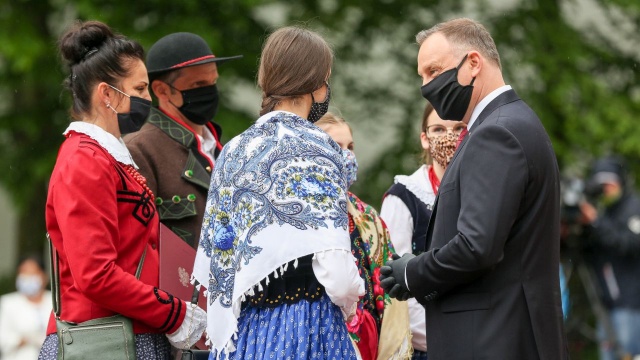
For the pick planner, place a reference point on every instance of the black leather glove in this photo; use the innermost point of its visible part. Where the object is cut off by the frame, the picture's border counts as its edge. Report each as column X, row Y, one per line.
column 392, row 277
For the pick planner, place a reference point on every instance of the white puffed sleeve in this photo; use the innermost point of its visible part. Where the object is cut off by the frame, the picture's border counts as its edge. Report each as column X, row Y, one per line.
column 336, row 270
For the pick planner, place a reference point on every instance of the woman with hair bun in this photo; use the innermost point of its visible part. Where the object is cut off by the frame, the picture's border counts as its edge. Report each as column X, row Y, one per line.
column 100, row 214
column 275, row 249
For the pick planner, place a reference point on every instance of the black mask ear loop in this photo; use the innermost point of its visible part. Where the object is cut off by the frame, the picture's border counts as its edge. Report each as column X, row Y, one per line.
column 473, row 79
column 179, row 91
column 121, row 93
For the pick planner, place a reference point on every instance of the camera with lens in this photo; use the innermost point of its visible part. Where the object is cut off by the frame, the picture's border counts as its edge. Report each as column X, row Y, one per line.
column 574, row 191
column 571, row 195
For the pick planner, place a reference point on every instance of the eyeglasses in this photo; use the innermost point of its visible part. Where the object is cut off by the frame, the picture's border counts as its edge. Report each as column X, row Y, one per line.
column 441, row 130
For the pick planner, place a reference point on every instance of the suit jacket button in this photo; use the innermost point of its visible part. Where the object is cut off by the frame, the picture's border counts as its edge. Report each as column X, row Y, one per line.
column 153, row 246
column 208, row 168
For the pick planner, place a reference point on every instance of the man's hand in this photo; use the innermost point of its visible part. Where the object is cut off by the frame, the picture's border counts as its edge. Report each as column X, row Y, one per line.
column 392, row 277
column 588, row 213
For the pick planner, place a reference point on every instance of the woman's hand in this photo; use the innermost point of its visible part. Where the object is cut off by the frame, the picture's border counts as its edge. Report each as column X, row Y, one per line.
column 191, row 329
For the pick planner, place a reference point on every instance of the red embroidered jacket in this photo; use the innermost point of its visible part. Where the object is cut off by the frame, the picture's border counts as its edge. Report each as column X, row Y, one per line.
column 100, row 219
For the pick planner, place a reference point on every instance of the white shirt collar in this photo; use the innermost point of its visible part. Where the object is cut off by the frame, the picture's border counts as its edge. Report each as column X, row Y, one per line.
column 419, row 185
column 208, row 143
column 113, row 145
column 484, row 102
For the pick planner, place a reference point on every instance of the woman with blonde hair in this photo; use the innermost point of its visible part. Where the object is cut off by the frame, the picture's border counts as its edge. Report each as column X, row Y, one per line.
column 275, row 249
column 381, row 325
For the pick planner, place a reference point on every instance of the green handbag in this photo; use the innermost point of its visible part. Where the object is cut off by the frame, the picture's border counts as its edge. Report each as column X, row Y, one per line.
column 108, row 338
column 103, row 338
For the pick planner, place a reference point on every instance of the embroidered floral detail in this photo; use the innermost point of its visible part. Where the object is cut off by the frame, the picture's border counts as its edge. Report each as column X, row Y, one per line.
column 372, row 248
column 280, row 171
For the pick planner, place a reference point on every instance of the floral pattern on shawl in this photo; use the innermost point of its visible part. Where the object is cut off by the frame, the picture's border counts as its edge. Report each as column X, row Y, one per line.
column 277, row 192
column 372, row 248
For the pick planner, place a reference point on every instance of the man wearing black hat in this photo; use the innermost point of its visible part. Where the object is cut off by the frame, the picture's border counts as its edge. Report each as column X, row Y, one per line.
column 177, row 146
column 614, row 224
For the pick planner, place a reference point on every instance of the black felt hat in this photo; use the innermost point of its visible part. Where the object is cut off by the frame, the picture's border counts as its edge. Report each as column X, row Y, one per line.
column 179, row 50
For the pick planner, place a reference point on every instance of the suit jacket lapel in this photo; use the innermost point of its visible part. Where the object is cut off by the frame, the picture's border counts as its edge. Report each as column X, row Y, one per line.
column 506, row 97
column 502, row 99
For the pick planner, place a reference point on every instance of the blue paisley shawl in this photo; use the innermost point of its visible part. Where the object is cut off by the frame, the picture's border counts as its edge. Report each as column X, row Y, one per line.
column 277, row 193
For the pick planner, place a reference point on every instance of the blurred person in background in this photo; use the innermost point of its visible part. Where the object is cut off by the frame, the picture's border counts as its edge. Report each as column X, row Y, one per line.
column 613, row 248
column 406, row 207
column 379, row 319
column 24, row 314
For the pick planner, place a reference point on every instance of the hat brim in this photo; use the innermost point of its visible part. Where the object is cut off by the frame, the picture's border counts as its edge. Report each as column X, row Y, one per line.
column 204, row 61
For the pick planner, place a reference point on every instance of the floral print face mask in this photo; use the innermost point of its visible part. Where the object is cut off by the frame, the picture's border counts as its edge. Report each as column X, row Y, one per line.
column 350, row 166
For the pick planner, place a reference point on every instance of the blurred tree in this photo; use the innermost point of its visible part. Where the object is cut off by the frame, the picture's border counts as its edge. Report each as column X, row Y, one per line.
column 583, row 84
column 574, row 61
column 33, row 106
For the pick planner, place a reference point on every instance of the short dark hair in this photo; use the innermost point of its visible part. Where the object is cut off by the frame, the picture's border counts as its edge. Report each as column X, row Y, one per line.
column 464, row 35
column 167, row 77
column 35, row 258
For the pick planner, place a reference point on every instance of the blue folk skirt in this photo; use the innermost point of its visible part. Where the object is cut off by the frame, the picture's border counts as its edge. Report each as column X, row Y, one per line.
column 299, row 331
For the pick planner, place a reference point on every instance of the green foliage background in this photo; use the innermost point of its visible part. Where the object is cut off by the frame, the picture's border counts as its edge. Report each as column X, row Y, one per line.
column 583, row 85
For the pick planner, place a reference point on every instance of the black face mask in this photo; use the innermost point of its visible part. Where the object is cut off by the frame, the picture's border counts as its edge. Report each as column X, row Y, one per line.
column 135, row 118
column 319, row 108
column 449, row 98
column 199, row 105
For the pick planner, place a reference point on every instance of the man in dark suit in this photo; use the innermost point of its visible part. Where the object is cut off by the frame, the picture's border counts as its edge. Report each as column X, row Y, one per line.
column 489, row 279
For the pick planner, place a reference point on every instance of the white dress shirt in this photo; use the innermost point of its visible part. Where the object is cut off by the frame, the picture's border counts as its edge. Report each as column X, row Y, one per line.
column 208, row 144
column 20, row 319
column 484, row 102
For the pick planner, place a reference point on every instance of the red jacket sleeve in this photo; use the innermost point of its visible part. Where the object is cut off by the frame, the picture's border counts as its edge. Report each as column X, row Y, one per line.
column 102, row 241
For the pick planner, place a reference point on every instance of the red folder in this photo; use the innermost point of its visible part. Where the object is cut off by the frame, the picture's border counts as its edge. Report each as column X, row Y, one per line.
column 176, row 266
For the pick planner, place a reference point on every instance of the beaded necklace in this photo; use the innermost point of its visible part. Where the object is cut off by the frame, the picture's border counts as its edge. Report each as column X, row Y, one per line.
column 140, row 180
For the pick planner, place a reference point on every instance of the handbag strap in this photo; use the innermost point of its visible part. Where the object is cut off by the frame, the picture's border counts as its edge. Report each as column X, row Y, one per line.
column 54, row 275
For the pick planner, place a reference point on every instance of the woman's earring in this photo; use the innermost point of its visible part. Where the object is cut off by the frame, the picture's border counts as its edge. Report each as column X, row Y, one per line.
column 112, row 109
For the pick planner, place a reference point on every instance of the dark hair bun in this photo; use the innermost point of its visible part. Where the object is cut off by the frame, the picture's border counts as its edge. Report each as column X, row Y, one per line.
column 81, row 38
